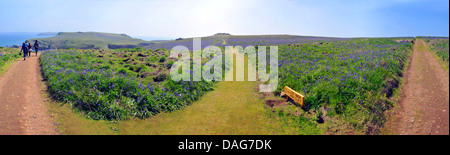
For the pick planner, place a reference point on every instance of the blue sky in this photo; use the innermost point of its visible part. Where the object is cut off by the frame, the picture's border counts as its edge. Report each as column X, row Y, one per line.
column 193, row 18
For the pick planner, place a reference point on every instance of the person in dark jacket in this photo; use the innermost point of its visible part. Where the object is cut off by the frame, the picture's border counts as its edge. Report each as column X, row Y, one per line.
column 24, row 49
column 29, row 49
column 36, row 46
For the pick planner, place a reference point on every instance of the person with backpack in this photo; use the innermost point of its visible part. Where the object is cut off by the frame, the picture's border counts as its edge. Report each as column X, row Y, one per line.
column 29, row 49
column 24, row 49
column 36, row 46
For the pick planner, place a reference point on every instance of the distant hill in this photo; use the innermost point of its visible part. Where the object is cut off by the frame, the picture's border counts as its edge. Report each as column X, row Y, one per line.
column 433, row 37
column 48, row 34
column 97, row 40
column 225, row 39
column 222, row 34
column 90, row 40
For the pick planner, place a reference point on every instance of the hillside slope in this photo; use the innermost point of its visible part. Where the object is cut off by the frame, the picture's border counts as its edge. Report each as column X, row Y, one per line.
column 243, row 40
column 90, row 40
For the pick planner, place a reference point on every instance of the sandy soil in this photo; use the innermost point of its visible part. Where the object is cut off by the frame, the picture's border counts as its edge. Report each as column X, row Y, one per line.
column 23, row 110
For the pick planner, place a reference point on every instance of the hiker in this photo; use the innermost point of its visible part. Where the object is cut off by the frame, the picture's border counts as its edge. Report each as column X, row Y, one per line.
column 36, row 46
column 29, row 49
column 24, row 49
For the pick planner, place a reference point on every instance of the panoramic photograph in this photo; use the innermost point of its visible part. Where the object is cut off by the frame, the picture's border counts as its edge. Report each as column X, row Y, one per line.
column 224, row 67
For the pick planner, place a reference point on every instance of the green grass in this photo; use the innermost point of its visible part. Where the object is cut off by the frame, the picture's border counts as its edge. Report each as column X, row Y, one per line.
column 388, row 128
column 93, row 82
column 6, row 66
column 7, row 57
column 440, row 49
column 352, row 80
column 213, row 114
column 232, row 108
column 72, row 122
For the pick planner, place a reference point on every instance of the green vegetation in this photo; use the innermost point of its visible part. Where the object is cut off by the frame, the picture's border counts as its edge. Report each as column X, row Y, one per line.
column 347, row 86
column 349, row 81
column 8, row 55
column 440, row 46
column 117, row 84
column 90, row 40
column 232, row 108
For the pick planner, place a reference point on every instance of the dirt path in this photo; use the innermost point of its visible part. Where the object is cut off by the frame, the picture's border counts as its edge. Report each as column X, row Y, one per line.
column 22, row 106
column 423, row 109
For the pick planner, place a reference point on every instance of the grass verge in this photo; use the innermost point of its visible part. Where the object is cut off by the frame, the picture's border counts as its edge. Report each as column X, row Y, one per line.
column 443, row 63
column 6, row 66
column 388, row 127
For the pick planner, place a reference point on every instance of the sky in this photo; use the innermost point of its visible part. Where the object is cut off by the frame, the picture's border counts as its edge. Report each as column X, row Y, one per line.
column 197, row 18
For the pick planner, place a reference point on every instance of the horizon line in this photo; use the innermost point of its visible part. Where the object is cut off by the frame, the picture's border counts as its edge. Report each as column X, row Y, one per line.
column 262, row 34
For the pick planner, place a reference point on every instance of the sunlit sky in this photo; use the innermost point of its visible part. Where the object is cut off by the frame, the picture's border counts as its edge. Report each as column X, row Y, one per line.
column 195, row 18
